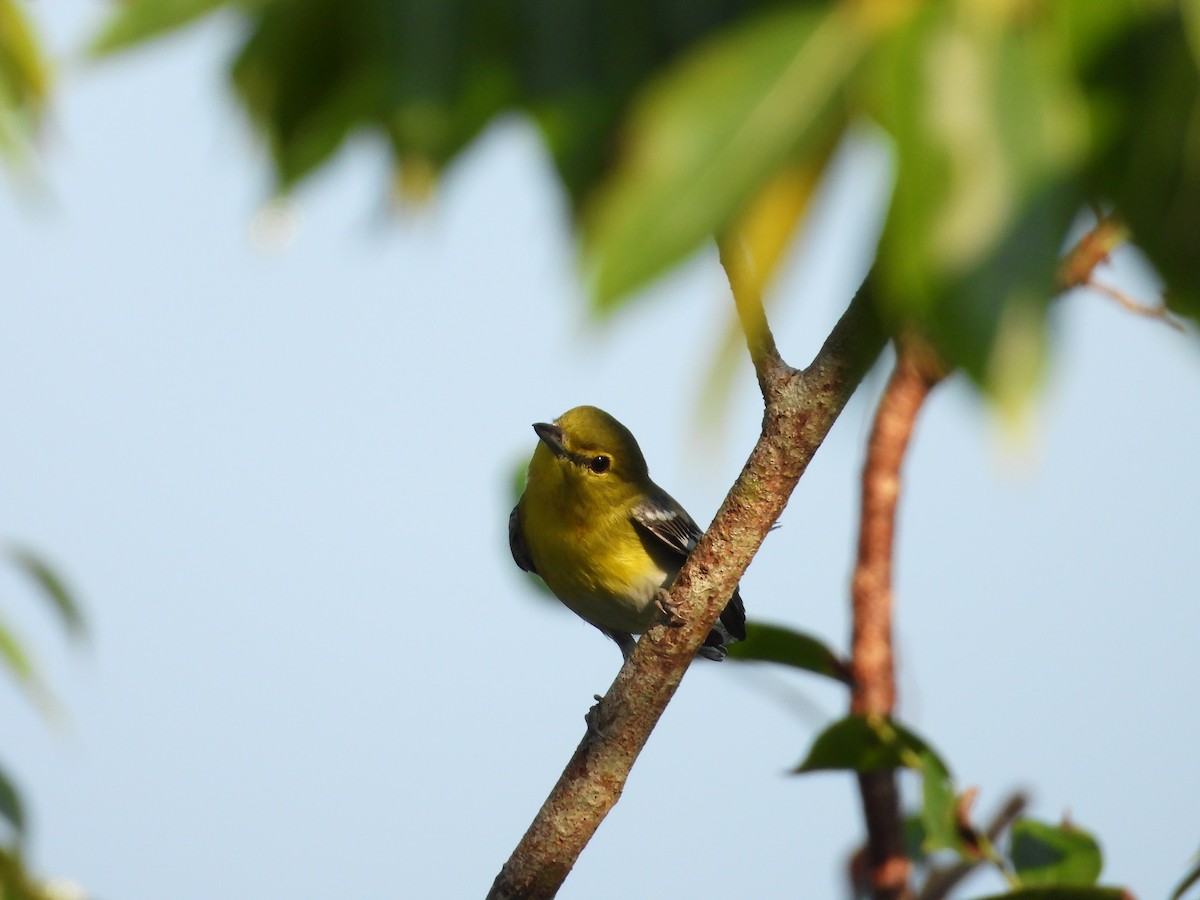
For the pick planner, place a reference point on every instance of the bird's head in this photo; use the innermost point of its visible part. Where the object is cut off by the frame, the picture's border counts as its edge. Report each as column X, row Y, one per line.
column 595, row 456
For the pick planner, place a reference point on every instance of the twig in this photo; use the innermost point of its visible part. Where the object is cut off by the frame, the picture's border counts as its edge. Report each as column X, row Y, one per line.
column 1153, row 312
column 872, row 661
column 801, row 407
column 1090, row 251
column 1078, row 267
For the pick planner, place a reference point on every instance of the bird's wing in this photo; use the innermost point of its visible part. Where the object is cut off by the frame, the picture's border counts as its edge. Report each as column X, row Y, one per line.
column 516, row 541
column 662, row 516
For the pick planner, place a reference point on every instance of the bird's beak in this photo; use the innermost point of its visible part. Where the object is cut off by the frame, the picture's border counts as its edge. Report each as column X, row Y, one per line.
column 551, row 436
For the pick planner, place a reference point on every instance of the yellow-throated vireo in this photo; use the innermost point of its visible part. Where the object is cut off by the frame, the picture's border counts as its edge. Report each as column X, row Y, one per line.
column 606, row 539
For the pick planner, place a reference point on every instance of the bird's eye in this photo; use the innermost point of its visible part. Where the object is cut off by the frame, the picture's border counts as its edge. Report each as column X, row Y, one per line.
column 600, row 464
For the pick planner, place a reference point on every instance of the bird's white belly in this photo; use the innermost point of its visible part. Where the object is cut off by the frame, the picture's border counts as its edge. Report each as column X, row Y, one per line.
column 625, row 607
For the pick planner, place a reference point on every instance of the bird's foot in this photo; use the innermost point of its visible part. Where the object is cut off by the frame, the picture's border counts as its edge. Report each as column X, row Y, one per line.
column 670, row 614
column 594, row 731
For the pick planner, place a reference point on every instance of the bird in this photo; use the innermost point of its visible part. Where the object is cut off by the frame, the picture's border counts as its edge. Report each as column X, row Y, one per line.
column 605, row 538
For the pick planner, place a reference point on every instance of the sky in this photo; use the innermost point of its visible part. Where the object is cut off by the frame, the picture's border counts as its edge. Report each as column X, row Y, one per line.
column 272, row 453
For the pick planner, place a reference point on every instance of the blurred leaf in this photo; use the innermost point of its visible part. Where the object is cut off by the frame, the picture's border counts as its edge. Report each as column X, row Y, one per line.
column 1191, row 23
column 12, row 810
column 427, row 76
column 915, row 839
column 53, row 588
column 580, row 63
column 1191, row 878
column 990, row 130
column 776, row 644
column 16, row 883
column 1145, row 94
column 866, row 744
column 1054, row 854
column 1064, row 892
column 768, row 226
column 24, row 82
column 27, row 675
column 939, row 809
column 708, row 134
column 137, row 21
column 14, row 656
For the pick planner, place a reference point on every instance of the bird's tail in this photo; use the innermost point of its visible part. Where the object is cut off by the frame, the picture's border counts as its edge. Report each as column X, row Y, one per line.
column 730, row 627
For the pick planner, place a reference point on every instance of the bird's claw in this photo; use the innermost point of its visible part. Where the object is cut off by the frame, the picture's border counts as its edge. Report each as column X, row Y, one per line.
column 592, row 718
column 670, row 614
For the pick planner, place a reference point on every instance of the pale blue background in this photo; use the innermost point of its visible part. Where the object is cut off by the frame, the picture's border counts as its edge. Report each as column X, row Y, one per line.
column 278, row 480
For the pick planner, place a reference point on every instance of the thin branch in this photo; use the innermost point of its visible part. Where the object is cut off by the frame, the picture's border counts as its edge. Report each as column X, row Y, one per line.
column 801, row 407
column 1159, row 311
column 874, row 691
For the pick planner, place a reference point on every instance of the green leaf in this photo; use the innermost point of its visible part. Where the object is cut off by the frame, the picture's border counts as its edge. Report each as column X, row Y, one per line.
column 1146, row 112
column 938, row 811
column 1191, row 878
column 1054, row 854
column 1191, row 24
column 1064, row 893
column 776, row 644
column 12, row 809
column 708, row 134
column 990, row 133
column 138, row 21
column 53, row 588
column 866, row 744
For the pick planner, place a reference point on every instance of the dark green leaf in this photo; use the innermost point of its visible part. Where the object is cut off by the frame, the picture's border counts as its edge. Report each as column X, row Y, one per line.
column 915, row 839
column 1054, row 854
column 12, row 810
column 707, row 135
column 425, row 75
column 1146, row 109
column 1188, row 880
column 53, row 588
column 1063, row 893
column 865, row 744
column 776, row 644
column 137, row 21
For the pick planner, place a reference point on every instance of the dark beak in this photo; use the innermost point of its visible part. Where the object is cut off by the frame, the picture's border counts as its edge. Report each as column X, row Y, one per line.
column 551, row 436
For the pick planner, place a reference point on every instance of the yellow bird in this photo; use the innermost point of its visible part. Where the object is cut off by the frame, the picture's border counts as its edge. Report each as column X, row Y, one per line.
column 606, row 539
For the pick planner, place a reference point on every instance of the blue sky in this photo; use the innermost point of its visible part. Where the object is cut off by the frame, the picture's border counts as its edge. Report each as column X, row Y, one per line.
column 278, row 480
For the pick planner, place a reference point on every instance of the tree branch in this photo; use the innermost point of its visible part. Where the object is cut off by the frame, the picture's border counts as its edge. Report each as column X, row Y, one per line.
column 800, row 408
column 874, row 690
